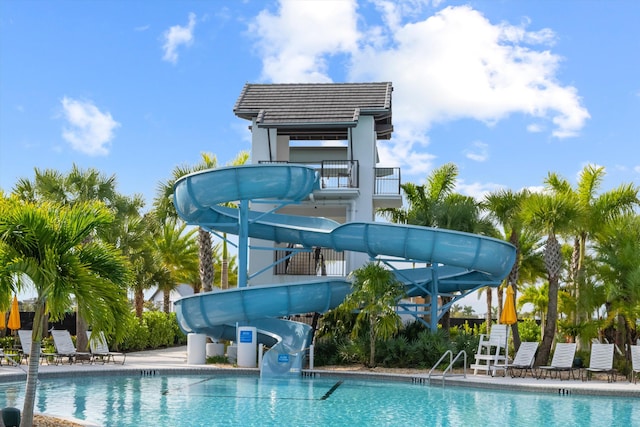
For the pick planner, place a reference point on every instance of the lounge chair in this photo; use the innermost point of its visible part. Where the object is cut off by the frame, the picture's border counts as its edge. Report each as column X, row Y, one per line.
column 523, row 362
column 492, row 353
column 600, row 361
column 25, row 344
column 100, row 350
column 635, row 362
column 562, row 361
column 65, row 349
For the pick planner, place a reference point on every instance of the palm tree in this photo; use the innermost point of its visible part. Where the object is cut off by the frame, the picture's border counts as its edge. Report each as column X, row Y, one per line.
column 551, row 214
column 538, row 297
column 163, row 204
column 505, row 207
column 178, row 252
column 436, row 205
column 618, row 252
column 596, row 212
column 77, row 186
column 374, row 296
column 48, row 243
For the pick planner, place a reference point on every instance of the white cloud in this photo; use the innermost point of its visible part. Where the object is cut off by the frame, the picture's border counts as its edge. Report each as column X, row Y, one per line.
column 452, row 65
column 88, row 130
column 637, row 169
column 176, row 36
column 295, row 42
column 477, row 190
column 535, row 128
column 479, row 151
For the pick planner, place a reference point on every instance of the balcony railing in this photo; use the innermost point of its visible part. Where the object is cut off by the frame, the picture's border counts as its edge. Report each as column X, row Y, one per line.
column 387, row 181
column 299, row 261
column 339, row 173
column 336, row 174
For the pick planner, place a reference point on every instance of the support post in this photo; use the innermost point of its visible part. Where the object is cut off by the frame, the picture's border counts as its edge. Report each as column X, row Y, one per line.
column 243, row 243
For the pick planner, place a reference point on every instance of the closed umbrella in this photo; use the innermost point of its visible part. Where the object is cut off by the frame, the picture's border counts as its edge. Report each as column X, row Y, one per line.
column 14, row 315
column 509, row 316
column 3, row 323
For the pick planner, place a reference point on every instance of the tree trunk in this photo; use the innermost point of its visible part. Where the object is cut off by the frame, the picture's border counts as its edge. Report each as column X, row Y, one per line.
column 372, row 344
column 553, row 262
column 166, row 300
column 139, row 302
column 34, row 363
column 205, row 253
column 81, row 332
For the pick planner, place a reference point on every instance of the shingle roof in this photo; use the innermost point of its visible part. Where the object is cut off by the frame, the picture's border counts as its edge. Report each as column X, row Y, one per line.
column 316, row 110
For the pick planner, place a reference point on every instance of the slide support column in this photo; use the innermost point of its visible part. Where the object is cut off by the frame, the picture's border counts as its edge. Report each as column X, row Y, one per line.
column 433, row 318
column 243, row 243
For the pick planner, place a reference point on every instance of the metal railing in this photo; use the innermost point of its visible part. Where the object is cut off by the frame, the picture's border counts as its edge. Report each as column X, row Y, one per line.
column 387, row 181
column 449, row 367
column 339, row 173
column 346, row 174
column 299, row 261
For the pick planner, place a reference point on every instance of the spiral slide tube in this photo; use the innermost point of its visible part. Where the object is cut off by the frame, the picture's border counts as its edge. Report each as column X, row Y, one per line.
column 464, row 261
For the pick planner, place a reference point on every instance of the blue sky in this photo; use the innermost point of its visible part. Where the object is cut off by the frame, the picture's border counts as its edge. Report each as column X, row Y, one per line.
column 507, row 90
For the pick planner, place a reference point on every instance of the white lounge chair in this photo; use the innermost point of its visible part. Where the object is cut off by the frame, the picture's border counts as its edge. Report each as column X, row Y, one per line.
column 100, row 350
column 523, row 362
column 65, row 349
column 25, row 339
column 635, row 362
column 492, row 353
column 600, row 361
column 562, row 361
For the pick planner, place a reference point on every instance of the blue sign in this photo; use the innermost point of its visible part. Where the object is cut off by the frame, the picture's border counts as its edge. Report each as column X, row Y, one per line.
column 283, row 358
column 246, row 336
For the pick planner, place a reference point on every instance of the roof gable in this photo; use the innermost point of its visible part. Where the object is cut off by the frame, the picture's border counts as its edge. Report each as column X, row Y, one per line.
column 316, row 110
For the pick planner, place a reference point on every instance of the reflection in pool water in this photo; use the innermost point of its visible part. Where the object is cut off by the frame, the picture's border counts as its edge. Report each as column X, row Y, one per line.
column 206, row 400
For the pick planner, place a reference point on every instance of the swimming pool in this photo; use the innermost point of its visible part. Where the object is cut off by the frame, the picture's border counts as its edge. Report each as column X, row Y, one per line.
column 214, row 400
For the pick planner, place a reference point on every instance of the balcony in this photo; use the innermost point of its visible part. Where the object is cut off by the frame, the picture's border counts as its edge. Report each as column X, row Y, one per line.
column 344, row 175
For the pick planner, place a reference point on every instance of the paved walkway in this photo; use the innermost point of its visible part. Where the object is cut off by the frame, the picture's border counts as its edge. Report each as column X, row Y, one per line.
column 174, row 360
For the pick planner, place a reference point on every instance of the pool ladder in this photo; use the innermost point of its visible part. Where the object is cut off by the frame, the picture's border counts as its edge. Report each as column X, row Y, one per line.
column 449, row 368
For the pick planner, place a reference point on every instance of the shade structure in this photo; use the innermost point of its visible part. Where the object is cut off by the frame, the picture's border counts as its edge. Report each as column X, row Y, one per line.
column 3, row 323
column 14, row 315
column 508, row 315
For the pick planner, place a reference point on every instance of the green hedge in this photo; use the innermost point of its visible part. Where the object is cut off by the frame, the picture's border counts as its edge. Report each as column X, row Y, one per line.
column 156, row 329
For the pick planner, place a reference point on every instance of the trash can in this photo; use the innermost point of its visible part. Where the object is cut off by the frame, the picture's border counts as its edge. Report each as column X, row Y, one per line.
column 11, row 417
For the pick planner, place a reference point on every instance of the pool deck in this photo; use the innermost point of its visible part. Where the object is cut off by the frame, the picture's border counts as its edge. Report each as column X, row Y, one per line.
column 174, row 361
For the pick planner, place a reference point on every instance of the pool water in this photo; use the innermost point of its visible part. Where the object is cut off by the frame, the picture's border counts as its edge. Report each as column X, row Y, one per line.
column 206, row 400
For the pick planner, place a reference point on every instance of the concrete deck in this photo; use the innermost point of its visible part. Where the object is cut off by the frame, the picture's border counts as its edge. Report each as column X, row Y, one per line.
column 174, row 361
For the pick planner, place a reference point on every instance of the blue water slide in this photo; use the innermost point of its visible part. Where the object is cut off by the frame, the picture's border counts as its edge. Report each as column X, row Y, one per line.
column 458, row 261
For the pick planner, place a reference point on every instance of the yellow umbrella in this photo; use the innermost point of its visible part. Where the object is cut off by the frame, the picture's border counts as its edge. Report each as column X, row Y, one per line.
column 14, row 315
column 3, row 323
column 509, row 316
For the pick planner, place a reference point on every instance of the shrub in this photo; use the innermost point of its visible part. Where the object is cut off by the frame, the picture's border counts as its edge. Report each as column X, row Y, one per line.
column 161, row 331
column 180, row 338
column 529, row 330
column 137, row 335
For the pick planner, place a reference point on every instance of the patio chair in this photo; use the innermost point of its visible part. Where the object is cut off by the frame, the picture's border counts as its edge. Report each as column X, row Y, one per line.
column 100, row 350
column 24, row 336
column 562, row 361
column 492, row 353
column 600, row 361
column 65, row 349
column 523, row 362
column 635, row 363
